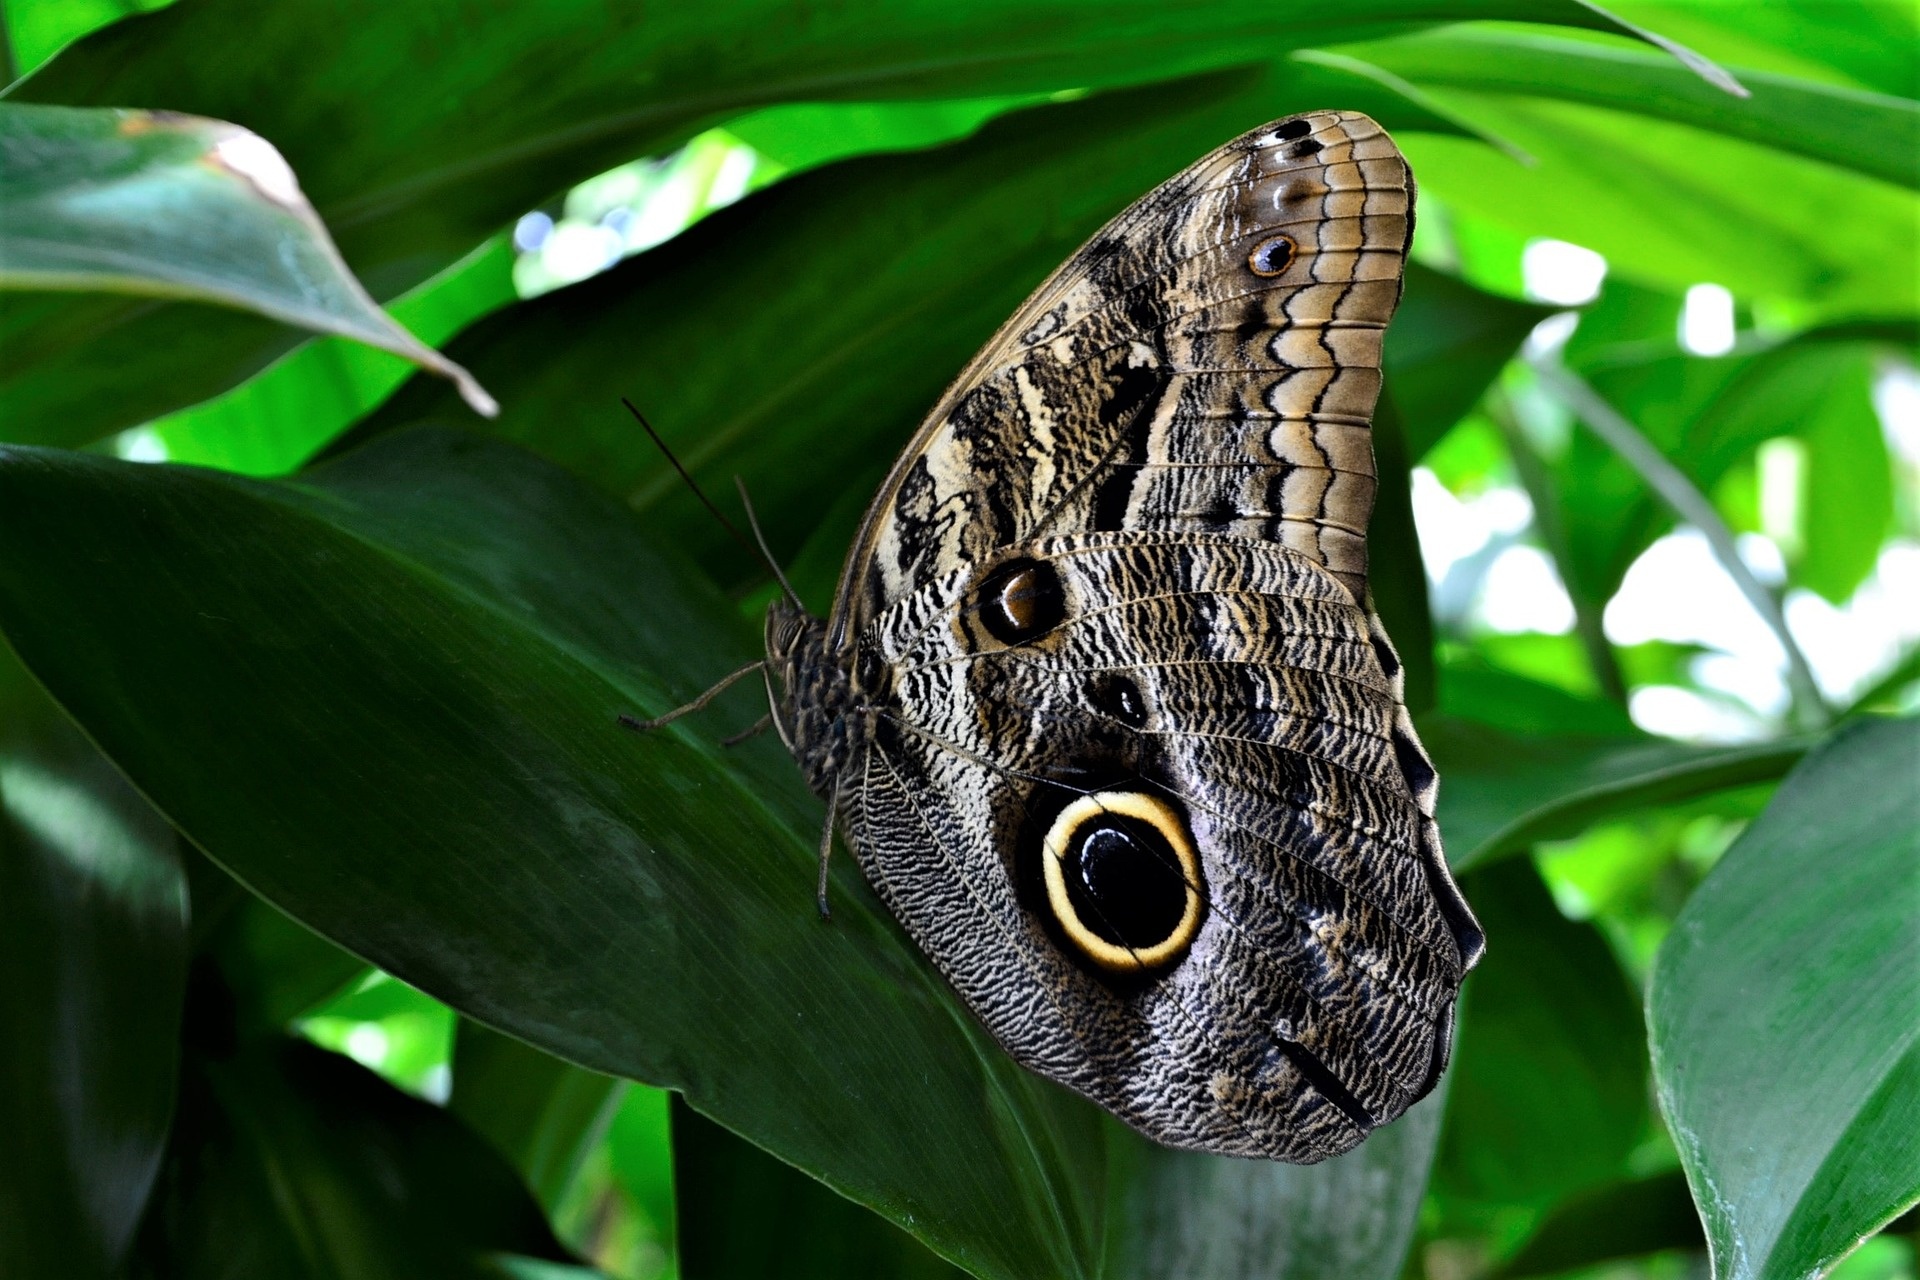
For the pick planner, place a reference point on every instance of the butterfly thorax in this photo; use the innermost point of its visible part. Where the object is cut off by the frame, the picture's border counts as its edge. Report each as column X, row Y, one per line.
column 815, row 706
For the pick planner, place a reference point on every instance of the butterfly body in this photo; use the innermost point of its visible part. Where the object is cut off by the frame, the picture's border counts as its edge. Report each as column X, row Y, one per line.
column 1103, row 707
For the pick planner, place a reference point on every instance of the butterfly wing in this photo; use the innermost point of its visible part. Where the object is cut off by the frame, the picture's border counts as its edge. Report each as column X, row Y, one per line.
column 1134, row 767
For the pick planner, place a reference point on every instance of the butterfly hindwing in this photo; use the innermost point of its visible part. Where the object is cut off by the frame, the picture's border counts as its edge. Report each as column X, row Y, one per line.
column 1103, row 705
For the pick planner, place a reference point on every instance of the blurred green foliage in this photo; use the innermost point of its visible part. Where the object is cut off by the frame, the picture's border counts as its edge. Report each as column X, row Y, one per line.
column 307, row 757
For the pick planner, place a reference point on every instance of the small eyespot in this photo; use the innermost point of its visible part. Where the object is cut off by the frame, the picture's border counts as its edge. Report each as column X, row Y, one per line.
column 1120, row 698
column 1301, row 150
column 1293, row 129
column 1123, row 880
column 1272, row 256
column 1021, row 600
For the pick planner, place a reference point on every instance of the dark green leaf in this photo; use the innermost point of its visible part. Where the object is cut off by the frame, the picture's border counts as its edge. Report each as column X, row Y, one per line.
column 291, row 1162
column 463, row 624
column 1521, row 761
column 1448, row 342
column 1619, row 1220
column 414, row 160
column 743, row 1213
column 172, row 206
column 1397, row 576
column 1549, row 1090
column 93, row 943
column 1781, row 1014
column 1502, row 792
column 276, row 967
column 1174, row 1213
column 542, row 1114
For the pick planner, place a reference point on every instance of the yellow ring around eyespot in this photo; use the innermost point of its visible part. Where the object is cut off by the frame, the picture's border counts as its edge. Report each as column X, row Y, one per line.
column 1162, row 817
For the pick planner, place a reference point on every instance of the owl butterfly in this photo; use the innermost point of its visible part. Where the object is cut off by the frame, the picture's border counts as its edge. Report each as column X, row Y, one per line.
column 1103, row 706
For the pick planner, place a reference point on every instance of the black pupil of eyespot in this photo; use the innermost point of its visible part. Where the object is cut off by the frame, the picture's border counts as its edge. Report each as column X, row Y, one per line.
column 1022, row 599
column 1125, row 883
column 1120, row 698
column 1274, row 256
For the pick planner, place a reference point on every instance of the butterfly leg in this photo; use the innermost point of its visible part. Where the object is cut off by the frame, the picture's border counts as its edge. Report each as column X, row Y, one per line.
column 826, row 850
column 753, row 730
column 644, row 726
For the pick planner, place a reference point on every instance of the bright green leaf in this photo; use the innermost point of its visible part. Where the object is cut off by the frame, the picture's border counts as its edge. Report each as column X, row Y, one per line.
column 1781, row 1014
column 1870, row 133
column 1673, row 205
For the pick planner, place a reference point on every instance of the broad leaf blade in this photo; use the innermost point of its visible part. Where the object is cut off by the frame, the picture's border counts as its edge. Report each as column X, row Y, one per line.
column 743, row 1213
column 874, row 281
column 1550, row 1084
column 93, row 943
column 415, row 160
column 463, row 624
column 173, row 206
column 1871, row 133
column 292, row 1162
column 1781, row 1014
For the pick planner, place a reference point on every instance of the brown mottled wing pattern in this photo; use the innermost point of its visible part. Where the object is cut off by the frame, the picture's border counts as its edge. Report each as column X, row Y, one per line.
column 1166, row 454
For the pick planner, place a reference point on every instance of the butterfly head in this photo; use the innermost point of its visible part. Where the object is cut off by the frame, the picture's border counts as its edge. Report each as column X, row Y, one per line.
column 811, row 693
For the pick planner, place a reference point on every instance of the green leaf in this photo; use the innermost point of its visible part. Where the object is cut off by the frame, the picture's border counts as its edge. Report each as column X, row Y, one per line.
column 173, row 206
column 892, row 271
column 35, row 30
column 463, row 625
column 1781, row 1014
column 413, row 161
column 293, row 1162
column 1521, row 762
column 276, row 968
column 93, row 943
column 1870, row 133
column 1174, row 1213
column 743, row 1213
column 542, row 1114
column 1620, row 1220
column 271, row 423
column 1447, row 344
column 1549, row 1091
column 1705, row 416
column 1674, row 205
column 1848, row 483
column 1503, row 792
column 1870, row 43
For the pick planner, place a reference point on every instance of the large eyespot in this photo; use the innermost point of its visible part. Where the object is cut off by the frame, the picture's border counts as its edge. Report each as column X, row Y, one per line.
column 1123, row 880
column 1020, row 600
column 1272, row 256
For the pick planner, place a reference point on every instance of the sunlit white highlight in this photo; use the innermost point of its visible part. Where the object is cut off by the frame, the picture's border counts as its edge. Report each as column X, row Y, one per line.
column 1558, row 272
column 1706, row 321
column 255, row 159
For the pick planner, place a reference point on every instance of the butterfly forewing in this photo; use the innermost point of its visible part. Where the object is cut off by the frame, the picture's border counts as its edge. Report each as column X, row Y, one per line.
column 1103, row 703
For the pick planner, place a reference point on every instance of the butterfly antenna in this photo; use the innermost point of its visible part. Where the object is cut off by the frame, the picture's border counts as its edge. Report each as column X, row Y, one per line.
column 753, row 522
column 725, row 523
